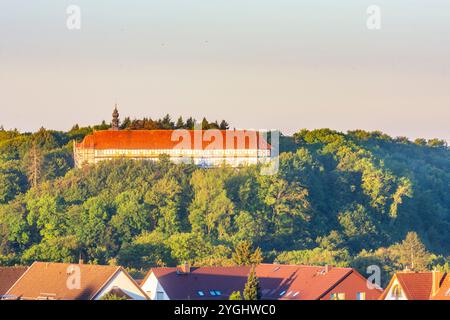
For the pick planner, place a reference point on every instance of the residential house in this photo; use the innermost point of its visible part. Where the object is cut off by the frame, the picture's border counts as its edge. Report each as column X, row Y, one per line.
column 409, row 285
column 277, row 282
column 65, row 281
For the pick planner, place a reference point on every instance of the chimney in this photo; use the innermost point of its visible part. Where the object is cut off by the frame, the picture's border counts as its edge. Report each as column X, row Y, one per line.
column 327, row 268
column 435, row 281
column 186, row 267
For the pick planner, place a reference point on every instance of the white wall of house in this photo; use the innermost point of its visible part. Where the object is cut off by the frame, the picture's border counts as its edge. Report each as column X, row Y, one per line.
column 122, row 281
column 390, row 295
column 153, row 288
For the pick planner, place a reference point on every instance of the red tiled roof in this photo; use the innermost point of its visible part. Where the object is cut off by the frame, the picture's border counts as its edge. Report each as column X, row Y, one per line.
column 444, row 290
column 171, row 139
column 306, row 280
column 8, row 276
column 284, row 282
column 49, row 280
column 416, row 285
column 186, row 286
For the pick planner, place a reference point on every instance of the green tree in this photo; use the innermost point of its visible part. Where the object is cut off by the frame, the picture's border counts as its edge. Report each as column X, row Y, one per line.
column 180, row 123
column 235, row 295
column 224, row 125
column 188, row 247
column 131, row 217
column 61, row 249
column 211, row 209
column 112, row 296
column 146, row 251
column 412, row 253
column 358, row 227
column 12, row 183
column 46, row 213
column 165, row 200
column 243, row 255
column 252, row 290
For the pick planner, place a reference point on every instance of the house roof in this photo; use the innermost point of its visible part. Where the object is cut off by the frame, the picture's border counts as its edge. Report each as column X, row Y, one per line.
column 283, row 282
column 444, row 290
column 180, row 286
column 311, row 282
column 415, row 285
column 174, row 139
column 45, row 280
column 8, row 276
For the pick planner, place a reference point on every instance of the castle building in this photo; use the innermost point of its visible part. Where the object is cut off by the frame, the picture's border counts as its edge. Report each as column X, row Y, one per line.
column 205, row 148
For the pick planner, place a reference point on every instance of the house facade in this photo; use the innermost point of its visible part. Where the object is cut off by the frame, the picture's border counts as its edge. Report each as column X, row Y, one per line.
column 277, row 282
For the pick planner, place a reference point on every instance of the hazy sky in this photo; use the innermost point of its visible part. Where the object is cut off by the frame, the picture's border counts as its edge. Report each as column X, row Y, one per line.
column 257, row 63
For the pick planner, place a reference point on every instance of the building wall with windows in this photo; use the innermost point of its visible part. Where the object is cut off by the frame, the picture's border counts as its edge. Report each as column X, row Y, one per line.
column 353, row 287
column 151, row 144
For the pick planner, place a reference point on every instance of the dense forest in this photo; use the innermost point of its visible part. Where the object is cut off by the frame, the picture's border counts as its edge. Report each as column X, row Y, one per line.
column 349, row 199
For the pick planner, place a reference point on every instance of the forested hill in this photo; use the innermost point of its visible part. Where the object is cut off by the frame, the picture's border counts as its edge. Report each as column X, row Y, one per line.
column 343, row 199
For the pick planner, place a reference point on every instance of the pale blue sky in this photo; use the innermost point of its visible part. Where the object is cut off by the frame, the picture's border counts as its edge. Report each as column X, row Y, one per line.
column 257, row 63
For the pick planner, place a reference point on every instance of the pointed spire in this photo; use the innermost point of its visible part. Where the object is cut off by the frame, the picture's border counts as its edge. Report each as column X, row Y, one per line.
column 115, row 119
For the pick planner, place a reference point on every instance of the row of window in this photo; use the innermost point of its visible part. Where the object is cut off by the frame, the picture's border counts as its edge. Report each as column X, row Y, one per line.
column 294, row 294
column 341, row 296
column 214, row 293
column 181, row 152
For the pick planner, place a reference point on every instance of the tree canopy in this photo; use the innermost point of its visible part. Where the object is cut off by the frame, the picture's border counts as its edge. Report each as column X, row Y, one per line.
column 346, row 199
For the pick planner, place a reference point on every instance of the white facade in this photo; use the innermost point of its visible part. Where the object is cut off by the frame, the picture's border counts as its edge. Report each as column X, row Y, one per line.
column 396, row 292
column 153, row 288
column 202, row 158
column 123, row 282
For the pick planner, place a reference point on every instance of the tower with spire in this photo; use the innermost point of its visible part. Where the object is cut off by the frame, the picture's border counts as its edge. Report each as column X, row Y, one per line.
column 115, row 119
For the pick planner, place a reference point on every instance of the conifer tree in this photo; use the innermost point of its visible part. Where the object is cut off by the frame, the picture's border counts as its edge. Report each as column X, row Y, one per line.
column 412, row 253
column 243, row 256
column 224, row 125
column 252, row 289
column 180, row 123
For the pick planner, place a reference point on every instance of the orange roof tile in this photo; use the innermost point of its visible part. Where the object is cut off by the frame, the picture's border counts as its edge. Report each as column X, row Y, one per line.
column 277, row 282
column 415, row 285
column 49, row 280
column 8, row 276
column 171, row 139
